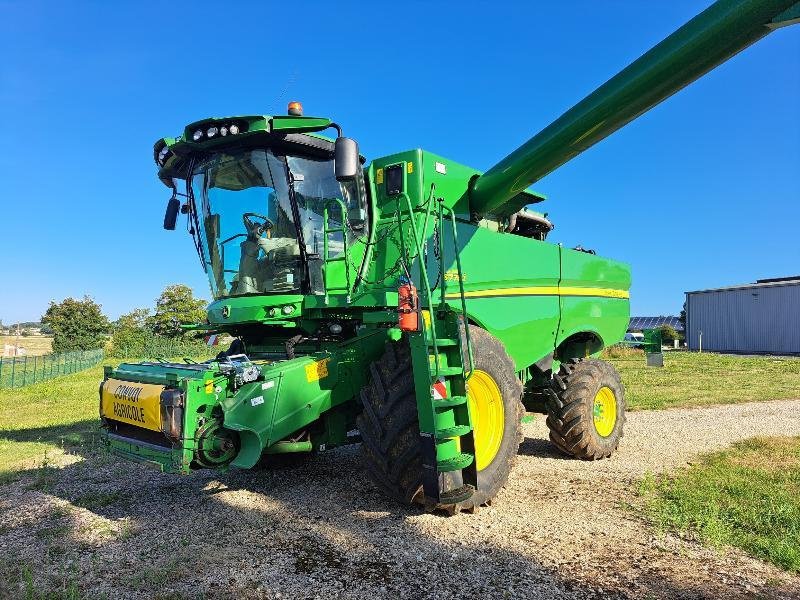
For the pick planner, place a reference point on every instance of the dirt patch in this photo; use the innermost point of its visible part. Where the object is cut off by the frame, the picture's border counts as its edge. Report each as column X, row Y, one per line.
column 561, row 529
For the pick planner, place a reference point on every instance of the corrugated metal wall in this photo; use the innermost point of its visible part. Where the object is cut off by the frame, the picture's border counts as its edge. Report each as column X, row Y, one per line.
column 754, row 319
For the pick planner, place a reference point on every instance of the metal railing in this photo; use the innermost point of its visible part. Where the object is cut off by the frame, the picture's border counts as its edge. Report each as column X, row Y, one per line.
column 19, row 371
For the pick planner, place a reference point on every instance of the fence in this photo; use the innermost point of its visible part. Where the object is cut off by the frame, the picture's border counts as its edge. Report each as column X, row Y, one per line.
column 19, row 371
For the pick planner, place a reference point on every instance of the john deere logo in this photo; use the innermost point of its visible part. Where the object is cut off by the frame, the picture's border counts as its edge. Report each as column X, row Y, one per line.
column 226, row 311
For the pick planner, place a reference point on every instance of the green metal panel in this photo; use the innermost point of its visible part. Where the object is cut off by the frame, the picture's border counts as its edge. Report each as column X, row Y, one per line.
column 606, row 316
column 511, row 285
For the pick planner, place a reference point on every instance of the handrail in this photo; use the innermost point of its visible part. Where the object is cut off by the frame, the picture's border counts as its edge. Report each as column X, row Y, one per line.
column 423, row 275
column 460, row 276
column 345, row 250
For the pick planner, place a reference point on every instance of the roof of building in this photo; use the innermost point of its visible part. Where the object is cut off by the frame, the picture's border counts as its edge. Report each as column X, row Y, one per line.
column 639, row 323
column 760, row 283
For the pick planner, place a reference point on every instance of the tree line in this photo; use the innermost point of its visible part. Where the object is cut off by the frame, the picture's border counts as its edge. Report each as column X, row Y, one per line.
column 80, row 324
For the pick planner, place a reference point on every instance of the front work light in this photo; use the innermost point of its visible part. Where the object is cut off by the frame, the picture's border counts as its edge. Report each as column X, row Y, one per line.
column 197, row 135
column 212, row 131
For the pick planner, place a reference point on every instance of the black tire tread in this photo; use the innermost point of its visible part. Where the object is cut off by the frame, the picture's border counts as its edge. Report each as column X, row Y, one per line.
column 569, row 410
column 389, row 427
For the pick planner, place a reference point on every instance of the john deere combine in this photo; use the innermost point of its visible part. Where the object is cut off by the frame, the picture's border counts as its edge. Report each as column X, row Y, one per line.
column 409, row 303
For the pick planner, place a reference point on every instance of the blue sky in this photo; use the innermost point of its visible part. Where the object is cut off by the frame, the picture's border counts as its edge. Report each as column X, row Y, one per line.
column 702, row 191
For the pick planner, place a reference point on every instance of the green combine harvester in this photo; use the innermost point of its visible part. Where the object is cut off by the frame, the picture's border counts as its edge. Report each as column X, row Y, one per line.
column 409, row 303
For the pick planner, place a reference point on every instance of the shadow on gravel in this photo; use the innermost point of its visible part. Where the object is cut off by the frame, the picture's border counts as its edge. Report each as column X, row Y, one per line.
column 105, row 528
column 541, row 448
column 102, row 527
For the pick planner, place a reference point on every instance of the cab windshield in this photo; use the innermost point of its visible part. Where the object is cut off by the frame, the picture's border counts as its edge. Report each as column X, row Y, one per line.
column 260, row 214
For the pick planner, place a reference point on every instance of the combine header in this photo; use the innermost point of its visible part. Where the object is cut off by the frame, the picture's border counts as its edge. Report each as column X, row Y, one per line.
column 410, row 303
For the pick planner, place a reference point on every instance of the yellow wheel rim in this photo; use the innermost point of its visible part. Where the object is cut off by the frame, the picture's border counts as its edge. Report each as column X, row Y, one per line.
column 488, row 416
column 605, row 411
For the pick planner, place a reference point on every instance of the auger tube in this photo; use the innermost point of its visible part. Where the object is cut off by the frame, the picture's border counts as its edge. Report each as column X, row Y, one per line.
column 712, row 37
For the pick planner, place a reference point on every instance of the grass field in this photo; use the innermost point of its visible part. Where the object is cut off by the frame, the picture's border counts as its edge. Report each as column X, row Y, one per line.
column 34, row 345
column 747, row 496
column 691, row 379
column 47, row 418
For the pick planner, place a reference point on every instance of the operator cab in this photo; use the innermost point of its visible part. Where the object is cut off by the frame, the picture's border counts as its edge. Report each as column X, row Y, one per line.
column 257, row 206
column 261, row 214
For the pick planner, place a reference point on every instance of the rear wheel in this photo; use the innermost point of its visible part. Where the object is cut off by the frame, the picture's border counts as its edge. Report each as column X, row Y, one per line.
column 389, row 426
column 587, row 413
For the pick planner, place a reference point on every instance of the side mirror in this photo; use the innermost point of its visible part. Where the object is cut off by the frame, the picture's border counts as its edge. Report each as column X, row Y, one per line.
column 346, row 162
column 357, row 217
column 171, row 216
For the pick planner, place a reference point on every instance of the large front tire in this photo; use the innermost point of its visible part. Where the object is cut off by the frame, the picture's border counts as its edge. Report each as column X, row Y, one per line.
column 587, row 412
column 389, row 427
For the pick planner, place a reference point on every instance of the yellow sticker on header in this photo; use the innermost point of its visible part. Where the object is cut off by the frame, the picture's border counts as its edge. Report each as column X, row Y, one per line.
column 410, row 167
column 378, row 176
column 132, row 403
column 317, row 370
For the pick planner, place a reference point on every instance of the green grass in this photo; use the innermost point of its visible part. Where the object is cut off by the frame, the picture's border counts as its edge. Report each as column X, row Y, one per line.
column 45, row 419
column 692, row 379
column 747, row 496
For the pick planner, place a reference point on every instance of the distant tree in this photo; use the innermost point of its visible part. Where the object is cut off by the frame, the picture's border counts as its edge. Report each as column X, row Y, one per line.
column 76, row 324
column 136, row 319
column 668, row 333
column 132, row 334
column 174, row 306
column 25, row 332
column 682, row 316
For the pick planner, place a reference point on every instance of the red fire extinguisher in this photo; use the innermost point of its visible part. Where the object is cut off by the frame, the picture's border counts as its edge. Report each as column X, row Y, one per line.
column 407, row 306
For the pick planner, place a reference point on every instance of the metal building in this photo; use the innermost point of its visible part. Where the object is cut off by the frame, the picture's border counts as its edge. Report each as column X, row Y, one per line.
column 757, row 318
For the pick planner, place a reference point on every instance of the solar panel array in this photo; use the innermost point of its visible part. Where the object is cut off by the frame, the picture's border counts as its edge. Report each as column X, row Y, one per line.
column 639, row 323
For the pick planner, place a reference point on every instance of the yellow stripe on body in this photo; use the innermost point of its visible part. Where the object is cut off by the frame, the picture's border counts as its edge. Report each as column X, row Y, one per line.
column 547, row 290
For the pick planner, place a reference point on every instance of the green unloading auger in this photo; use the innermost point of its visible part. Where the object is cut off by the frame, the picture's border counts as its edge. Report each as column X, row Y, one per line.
column 712, row 37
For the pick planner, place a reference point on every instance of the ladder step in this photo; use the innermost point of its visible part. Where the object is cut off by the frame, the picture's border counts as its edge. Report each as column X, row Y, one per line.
column 443, row 343
column 457, row 495
column 456, row 463
column 450, row 371
column 451, row 432
column 449, row 402
column 337, row 259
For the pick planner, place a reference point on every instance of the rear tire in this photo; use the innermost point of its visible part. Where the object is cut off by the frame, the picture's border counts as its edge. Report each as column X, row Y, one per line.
column 389, row 426
column 587, row 412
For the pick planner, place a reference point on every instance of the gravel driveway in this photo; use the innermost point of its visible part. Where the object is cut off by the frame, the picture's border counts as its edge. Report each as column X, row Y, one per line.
column 559, row 530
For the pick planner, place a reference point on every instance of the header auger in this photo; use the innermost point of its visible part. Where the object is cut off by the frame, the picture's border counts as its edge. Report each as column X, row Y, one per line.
column 410, row 303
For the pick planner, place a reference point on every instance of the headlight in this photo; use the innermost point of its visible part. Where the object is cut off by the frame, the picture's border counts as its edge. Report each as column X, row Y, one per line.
column 197, row 135
column 234, row 129
column 212, row 131
column 223, row 131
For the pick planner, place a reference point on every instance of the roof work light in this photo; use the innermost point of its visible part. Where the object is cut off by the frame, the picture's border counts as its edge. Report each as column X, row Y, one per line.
column 295, row 109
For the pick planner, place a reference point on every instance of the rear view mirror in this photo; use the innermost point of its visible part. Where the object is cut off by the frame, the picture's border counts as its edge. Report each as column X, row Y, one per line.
column 346, row 160
column 171, row 216
column 357, row 217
